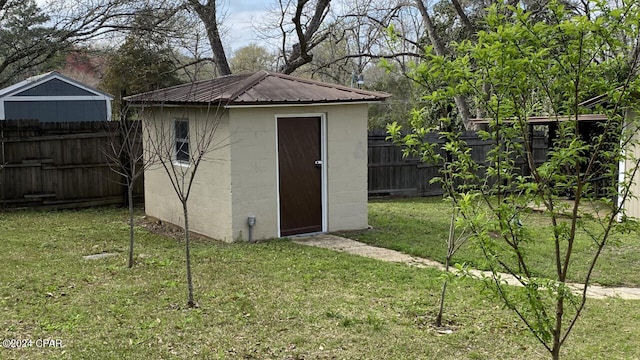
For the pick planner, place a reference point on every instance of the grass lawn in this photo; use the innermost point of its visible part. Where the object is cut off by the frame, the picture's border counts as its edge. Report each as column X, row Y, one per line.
column 419, row 226
column 272, row 300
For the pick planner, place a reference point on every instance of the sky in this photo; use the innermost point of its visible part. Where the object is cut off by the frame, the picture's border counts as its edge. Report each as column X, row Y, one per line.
column 240, row 16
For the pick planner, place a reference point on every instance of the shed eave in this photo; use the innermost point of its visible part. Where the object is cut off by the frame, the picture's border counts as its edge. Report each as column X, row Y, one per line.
column 140, row 103
column 299, row 103
column 55, row 98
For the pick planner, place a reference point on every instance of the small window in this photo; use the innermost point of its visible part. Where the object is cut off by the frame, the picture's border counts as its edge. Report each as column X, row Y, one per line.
column 182, row 140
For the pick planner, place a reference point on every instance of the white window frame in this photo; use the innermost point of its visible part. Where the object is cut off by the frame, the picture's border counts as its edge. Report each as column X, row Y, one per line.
column 176, row 140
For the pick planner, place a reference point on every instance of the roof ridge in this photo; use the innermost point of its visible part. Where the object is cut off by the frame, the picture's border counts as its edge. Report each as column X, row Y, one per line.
column 330, row 85
column 249, row 82
column 43, row 75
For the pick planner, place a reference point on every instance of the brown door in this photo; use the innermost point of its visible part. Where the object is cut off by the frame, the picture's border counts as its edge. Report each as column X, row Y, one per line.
column 300, row 175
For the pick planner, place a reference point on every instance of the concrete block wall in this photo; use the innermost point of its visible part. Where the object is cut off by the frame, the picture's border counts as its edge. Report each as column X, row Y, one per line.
column 254, row 179
column 209, row 203
column 347, row 167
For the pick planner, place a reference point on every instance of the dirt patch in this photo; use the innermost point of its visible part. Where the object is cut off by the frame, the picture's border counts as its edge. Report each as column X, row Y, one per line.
column 172, row 231
column 98, row 256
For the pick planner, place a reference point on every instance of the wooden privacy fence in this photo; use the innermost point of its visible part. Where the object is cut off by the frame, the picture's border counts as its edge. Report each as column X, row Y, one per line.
column 63, row 165
column 391, row 174
column 59, row 165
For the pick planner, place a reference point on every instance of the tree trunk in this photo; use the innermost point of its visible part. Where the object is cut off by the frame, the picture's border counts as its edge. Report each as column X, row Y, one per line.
column 130, row 199
column 440, row 50
column 450, row 250
column 187, row 245
column 463, row 109
column 557, row 330
column 222, row 64
column 463, row 17
column 207, row 13
column 442, row 294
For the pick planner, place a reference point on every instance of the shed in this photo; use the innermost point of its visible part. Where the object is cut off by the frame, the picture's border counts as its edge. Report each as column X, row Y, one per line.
column 53, row 97
column 291, row 154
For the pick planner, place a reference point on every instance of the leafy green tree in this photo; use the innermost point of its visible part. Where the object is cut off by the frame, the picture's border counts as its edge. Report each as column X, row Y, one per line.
column 406, row 97
column 136, row 67
column 252, row 58
column 543, row 68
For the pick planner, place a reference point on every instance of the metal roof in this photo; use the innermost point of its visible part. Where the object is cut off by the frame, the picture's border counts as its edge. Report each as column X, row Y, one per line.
column 604, row 98
column 260, row 88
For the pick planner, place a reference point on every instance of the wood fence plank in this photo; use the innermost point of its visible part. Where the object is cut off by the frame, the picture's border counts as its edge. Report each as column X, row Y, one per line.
column 392, row 174
column 59, row 165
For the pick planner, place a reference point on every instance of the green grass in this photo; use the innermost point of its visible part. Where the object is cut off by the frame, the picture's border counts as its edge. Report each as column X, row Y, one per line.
column 272, row 300
column 419, row 226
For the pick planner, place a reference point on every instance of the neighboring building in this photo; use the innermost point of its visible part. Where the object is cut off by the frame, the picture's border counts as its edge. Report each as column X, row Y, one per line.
column 591, row 124
column 53, row 97
column 629, row 167
column 290, row 152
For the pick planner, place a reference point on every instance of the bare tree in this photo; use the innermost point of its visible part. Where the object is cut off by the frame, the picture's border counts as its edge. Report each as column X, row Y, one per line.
column 357, row 39
column 181, row 139
column 124, row 151
column 308, row 34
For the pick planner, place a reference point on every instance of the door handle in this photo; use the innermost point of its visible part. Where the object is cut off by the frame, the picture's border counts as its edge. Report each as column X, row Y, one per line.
column 318, row 163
